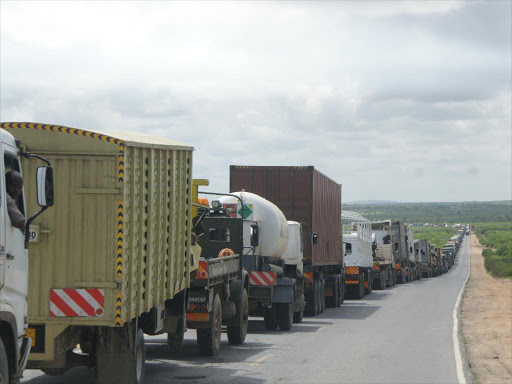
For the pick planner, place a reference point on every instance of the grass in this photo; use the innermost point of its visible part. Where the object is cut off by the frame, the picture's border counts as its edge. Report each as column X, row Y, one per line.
column 435, row 235
column 497, row 238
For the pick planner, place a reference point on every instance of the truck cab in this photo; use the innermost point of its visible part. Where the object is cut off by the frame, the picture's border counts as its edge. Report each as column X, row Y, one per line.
column 14, row 344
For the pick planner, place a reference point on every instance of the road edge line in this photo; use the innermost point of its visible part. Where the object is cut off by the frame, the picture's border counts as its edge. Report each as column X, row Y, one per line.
column 457, row 346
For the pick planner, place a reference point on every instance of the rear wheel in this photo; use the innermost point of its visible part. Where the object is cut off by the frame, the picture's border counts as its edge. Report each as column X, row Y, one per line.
column 209, row 339
column 318, row 306
column 270, row 318
column 368, row 290
column 238, row 330
column 298, row 317
column 360, row 287
column 322, row 295
column 285, row 316
column 341, row 291
column 4, row 364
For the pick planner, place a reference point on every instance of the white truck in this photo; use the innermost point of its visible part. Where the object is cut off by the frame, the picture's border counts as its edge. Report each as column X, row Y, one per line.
column 273, row 257
column 357, row 241
column 14, row 344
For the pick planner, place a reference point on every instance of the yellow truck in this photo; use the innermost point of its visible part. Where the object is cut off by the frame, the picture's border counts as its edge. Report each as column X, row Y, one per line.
column 113, row 259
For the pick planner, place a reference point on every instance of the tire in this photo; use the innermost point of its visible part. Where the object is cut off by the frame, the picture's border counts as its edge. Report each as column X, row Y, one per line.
column 238, row 331
column 208, row 339
column 4, row 364
column 335, row 299
column 298, row 317
column 322, row 295
column 341, row 291
column 360, row 287
column 317, row 297
column 311, row 301
column 175, row 342
column 368, row 290
column 118, row 359
column 285, row 316
column 140, row 357
column 270, row 318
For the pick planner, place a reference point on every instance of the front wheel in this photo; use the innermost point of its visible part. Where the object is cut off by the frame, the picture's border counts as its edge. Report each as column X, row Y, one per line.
column 4, row 364
column 208, row 339
column 238, row 331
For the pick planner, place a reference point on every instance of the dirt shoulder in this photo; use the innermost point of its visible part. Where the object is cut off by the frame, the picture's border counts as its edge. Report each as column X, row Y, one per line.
column 487, row 322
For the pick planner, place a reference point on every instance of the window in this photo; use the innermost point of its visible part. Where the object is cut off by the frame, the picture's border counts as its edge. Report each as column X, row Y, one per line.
column 348, row 248
column 11, row 164
column 220, row 234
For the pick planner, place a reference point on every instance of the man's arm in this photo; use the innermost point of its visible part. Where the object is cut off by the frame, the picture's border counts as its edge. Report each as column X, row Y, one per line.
column 17, row 218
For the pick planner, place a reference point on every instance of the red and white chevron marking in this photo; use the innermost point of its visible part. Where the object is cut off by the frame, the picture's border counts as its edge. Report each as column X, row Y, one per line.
column 262, row 278
column 77, row 302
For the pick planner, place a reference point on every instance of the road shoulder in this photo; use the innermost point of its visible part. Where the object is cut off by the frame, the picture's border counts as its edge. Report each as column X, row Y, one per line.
column 487, row 322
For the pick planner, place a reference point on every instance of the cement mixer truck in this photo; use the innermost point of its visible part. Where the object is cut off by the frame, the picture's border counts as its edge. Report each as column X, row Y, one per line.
column 273, row 257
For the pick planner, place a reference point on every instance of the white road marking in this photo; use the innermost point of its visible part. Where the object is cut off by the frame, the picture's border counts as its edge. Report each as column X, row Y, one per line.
column 456, row 341
column 260, row 360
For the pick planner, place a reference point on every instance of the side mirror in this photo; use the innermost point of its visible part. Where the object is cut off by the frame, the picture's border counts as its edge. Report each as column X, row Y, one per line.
column 44, row 178
column 255, row 238
column 314, row 238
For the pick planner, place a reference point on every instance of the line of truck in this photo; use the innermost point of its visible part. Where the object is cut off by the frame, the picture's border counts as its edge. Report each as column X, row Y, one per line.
column 133, row 245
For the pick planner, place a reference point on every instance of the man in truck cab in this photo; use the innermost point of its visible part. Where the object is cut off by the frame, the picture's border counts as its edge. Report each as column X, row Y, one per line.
column 14, row 186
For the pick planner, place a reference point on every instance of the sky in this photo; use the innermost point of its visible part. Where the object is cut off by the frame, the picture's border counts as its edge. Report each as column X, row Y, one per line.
column 396, row 100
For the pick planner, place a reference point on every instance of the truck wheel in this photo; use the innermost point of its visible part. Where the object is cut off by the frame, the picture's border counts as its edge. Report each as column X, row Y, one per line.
column 368, row 290
column 322, row 296
column 285, row 316
column 359, row 289
column 237, row 332
column 317, row 297
column 270, row 317
column 116, row 361
column 311, row 300
column 334, row 299
column 298, row 317
column 4, row 364
column 208, row 339
column 341, row 291
column 382, row 280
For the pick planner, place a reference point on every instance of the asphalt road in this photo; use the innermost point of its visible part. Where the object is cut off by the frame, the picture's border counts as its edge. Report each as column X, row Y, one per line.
column 400, row 335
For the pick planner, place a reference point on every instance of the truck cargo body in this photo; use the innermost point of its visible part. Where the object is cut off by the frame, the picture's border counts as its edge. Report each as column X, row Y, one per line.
column 307, row 196
column 414, row 262
column 115, row 248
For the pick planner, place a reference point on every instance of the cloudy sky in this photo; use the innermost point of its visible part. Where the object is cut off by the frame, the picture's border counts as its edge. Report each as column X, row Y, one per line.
column 403, row 101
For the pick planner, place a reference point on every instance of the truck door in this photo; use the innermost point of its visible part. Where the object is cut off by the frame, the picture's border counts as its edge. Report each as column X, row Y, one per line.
column 3, row 216
column 16, row 258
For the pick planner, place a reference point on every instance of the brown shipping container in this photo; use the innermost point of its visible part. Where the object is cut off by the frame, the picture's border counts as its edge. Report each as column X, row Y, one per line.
column 304, row 195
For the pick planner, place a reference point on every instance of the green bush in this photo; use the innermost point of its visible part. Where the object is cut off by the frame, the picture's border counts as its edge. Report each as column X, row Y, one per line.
column 497, row 237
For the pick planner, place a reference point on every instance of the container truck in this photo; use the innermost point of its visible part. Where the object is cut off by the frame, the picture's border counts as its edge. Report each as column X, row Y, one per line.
column 357, row 242
column 113, row 259
column 312, row 199
column 383, row 257
column 15, row 343
column 273, row 259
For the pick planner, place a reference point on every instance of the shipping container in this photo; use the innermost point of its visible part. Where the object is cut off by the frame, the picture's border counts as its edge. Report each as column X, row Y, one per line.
column 117, row 243
column 304, row 195
column 309, row 197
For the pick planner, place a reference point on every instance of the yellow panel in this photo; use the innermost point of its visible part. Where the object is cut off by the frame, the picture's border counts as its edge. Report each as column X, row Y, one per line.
column 120, row 221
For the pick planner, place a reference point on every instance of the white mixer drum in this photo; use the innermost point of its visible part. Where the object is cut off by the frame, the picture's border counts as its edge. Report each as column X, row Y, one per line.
column 273, row 235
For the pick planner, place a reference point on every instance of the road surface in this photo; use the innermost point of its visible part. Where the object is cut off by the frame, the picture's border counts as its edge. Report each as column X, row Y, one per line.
column 400, row 335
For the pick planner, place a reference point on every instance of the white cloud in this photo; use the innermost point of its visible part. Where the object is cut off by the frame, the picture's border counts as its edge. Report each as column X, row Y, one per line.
column 376, row 95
